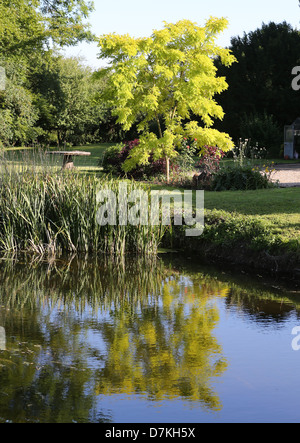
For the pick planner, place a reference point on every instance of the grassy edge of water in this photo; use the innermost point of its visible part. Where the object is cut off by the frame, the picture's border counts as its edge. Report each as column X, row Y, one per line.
column 242, row 240
column 229, row 235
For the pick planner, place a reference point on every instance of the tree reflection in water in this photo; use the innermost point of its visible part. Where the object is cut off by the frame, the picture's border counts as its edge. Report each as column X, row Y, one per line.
column 78, row 330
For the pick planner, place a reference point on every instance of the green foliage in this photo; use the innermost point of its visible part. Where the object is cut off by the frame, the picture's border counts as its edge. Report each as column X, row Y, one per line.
column 262, row 129
column 18, row 115
column 65, row 97
column 247, row 154
column 262, row 78
column 115, row 157
column 167, row 78
column 65, row 20
column 30, row 33
column 28, row 26
column 109, row 160
column 186, row 157
column 45, row 212
column 237, row 177
column 227, row 229
column 6, row 127
column 277, row 209
column 208, row 165
column 21, row 28
column 247, row 237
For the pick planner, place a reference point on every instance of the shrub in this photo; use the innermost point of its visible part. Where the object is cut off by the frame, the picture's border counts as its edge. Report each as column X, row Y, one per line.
column 209, row 164
column 111, row 159
column 185, row 160
column 240, row 178
column 115, row 156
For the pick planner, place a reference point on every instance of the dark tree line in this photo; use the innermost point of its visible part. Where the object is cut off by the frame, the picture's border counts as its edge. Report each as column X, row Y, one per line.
column 260, row 99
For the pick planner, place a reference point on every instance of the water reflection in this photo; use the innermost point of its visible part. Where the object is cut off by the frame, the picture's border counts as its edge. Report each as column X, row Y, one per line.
column 76, row 331
column 263, row 301
column 165, row 349
column 263, row 311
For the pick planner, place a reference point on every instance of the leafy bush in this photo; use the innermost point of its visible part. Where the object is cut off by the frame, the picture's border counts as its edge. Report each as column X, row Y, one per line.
column 111, row 159
column 185, row 160
column 208, row 165
column 240, row 178
column 115, row 156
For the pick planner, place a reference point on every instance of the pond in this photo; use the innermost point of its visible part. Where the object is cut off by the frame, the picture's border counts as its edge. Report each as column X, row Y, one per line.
column 158, row 341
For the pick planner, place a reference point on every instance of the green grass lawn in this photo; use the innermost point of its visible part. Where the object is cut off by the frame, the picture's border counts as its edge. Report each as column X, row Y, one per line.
column 279, row 209
column 20, row 155
column 91, row 162
column 260, row 202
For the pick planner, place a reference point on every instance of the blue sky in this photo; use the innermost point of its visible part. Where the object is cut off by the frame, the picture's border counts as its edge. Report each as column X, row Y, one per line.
column 138, row 18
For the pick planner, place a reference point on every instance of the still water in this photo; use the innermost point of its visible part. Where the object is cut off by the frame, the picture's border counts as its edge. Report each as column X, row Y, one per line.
column 145, row 342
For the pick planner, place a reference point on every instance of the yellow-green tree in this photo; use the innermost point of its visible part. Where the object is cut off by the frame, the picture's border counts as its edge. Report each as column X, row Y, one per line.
column 169, row 78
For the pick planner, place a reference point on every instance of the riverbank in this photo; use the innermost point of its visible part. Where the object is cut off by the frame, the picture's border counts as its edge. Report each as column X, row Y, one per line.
column 242, row 253
column 258, row 230
column 45, row 211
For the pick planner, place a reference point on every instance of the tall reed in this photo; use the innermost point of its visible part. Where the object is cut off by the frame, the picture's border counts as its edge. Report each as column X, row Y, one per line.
column 45, row 210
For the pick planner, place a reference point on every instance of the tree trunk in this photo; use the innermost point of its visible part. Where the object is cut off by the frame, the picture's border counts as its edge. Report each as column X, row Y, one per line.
column 168, row 169
column 59, row 138
column 167, row 158
column 159, row 127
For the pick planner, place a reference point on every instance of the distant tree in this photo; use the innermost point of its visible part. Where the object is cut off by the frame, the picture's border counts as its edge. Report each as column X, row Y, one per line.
column 30, row 33
column 65, row 96
column 65, row 20
column 166, row 79
column 30, row 26
column 18, row 115
column 260, row 83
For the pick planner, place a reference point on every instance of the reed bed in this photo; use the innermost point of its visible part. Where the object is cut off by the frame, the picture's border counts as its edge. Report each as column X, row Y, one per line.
column 48, row 211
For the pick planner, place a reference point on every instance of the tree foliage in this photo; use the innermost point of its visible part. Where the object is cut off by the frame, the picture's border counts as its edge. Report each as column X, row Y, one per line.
column 28, row 26
column 18, row 115
column 260, row 83
column 65, row 20
column 168, row 78
column 65, row 98
column 43, row 91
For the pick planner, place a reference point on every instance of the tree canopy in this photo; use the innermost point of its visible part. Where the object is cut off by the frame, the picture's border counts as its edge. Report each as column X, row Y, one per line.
column 43, row 91
column 168, row 78
column 33, row 25
column 260, row 93
column 65, row 97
